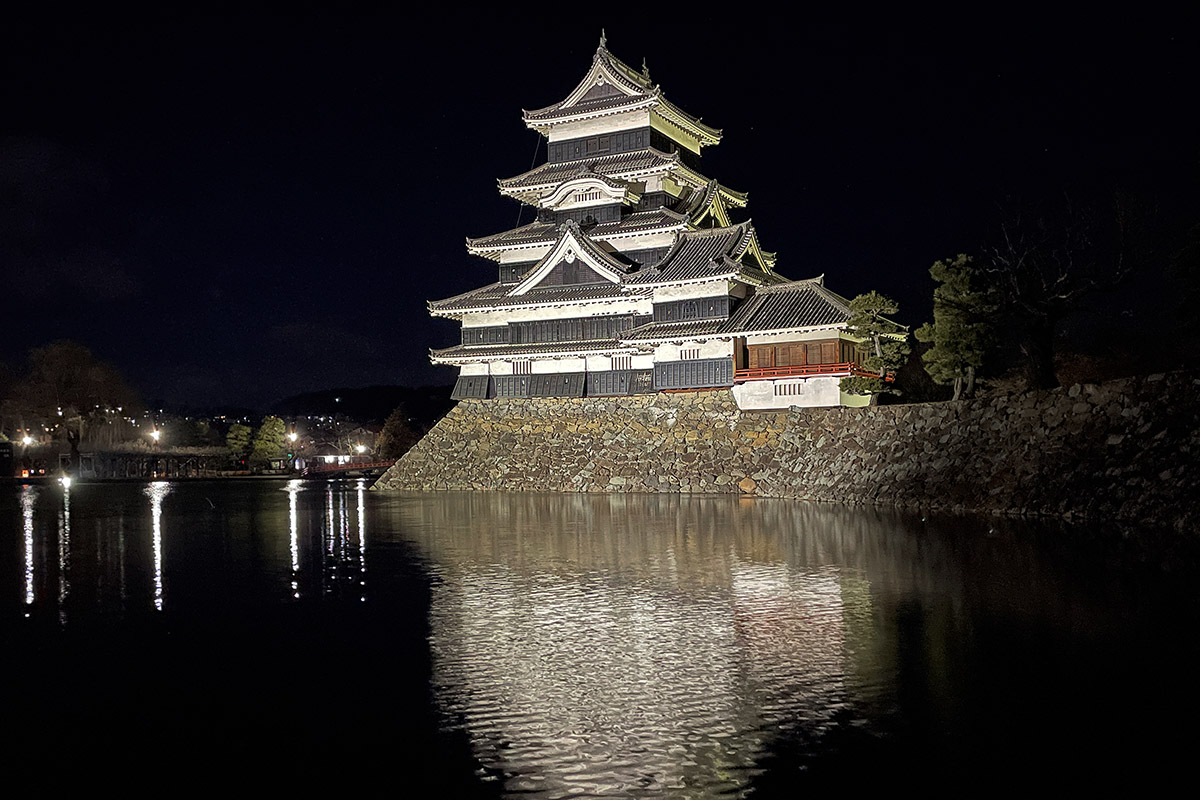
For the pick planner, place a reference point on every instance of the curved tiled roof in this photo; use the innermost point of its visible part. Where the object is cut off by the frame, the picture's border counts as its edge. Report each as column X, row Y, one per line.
column 546, row 232
column 796, row 304
column 552, row 173
column 660, row 331
column 637, row 91
column 497, row 295
column 707, row 253
column 519, row 350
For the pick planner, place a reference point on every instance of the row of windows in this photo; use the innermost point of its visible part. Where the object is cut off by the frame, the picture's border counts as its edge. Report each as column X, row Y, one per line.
column 677, row 375
column 592, row 215
column 699, row 308
column 620, row 142
column 798, row 355
column 554, row 330
column 573, row 330
column 496, row 334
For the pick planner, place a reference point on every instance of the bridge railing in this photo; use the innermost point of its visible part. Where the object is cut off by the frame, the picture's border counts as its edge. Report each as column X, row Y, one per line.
column 845, row 368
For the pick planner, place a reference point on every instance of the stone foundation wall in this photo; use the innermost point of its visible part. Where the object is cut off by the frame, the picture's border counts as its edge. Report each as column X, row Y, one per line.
column 1122, row 450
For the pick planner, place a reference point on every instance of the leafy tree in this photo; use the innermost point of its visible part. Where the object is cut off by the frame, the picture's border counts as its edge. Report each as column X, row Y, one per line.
column 268, row 442
column 963, row 309
column 396, row 437
column 238, row 440
column 884, row 344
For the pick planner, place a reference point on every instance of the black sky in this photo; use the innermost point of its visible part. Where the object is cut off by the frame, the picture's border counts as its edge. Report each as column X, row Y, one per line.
column 233, row 209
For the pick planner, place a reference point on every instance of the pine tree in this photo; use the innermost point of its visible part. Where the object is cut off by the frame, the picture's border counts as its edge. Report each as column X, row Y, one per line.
column 268, row 442
column 238, row 441
column 396, row 437
column 884, row 344
column 963, row 322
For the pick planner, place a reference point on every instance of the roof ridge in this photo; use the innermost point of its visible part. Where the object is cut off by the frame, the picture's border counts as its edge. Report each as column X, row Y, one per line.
column 710, row 232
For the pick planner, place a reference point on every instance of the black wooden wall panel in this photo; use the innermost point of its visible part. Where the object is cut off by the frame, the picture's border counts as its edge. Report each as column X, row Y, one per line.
column 695, row 308
column 470, row 386
column 696, row 374
column 492, row 334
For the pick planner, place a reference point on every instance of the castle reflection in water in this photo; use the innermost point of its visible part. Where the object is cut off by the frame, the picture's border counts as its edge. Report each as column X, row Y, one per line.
column 582, row 645
column 646, row 642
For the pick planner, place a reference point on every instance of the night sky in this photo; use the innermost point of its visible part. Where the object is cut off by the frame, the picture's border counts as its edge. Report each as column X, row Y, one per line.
column 236, row 209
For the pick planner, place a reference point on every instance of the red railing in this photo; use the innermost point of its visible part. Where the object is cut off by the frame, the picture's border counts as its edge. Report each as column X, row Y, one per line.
column 804, row 371
column 345, row 466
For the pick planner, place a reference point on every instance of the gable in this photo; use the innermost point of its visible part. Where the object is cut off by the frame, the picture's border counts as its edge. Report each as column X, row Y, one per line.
column 567, row 274
column 600, row 91
column 573, row 259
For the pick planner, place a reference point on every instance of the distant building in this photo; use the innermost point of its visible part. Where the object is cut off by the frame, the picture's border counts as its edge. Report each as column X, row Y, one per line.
column 633, row 278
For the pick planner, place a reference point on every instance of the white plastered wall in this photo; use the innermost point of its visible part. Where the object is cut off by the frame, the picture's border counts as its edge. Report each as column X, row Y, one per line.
column 712, row 348
column 817, row 334
column 663, row 294
column 803, row 392
column 608, row 124
column 486, row 318
column 546, row 366
column 645, row 361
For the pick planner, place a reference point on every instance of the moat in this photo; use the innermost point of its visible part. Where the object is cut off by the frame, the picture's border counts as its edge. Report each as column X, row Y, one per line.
column 492, row 644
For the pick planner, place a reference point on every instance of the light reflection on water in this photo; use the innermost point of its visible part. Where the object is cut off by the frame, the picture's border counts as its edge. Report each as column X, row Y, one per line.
column 28, row 498
column 336, row 567
column 64, row 554
column 157, row 491
column 601, row 646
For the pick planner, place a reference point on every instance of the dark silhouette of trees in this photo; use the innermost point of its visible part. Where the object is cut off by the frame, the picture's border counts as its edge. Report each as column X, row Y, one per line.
column 397, row 437
column 64, row 375
column 1044, row 264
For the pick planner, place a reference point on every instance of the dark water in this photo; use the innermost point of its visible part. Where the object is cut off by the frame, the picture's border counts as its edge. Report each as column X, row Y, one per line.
column 257, row 635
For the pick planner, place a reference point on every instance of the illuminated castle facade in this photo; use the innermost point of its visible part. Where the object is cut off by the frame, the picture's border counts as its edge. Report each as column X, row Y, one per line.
column 633, row 278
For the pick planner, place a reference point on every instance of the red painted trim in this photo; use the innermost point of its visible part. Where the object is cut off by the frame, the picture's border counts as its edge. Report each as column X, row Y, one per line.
column 805, row 371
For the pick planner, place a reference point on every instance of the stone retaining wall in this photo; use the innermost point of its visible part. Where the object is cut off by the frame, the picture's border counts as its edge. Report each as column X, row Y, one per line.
column 1121, row 450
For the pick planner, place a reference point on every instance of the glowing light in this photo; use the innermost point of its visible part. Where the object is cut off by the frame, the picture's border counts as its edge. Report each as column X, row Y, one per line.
column 293, row 436
column 362, row 448
column 155, row 434
column 65, row 480
column 156, row 491
column 27, row 440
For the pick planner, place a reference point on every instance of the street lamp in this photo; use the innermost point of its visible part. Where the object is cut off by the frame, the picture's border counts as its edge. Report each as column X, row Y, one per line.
column 362, row 448
column 155, row 434
column 27, row 440
column 293, row 436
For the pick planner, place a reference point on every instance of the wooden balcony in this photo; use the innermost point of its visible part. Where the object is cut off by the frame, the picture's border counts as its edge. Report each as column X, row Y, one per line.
column 803, row 371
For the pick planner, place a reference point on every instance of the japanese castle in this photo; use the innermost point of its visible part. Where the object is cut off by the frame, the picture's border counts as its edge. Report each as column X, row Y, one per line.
column 633, row 277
